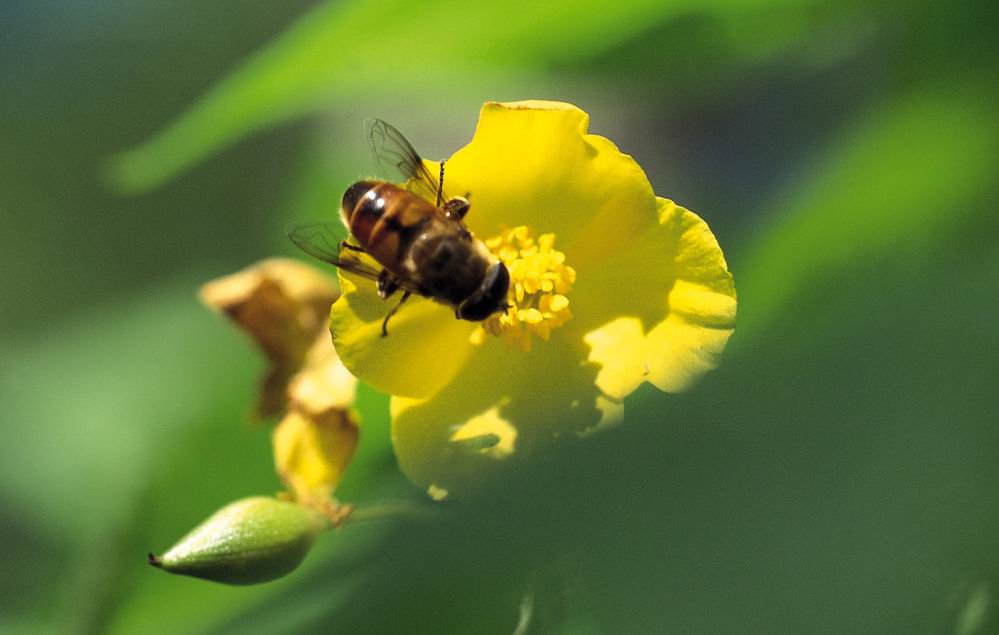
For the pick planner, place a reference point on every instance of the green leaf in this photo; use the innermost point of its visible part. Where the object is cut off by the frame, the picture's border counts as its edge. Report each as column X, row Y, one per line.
column 402, row 50
column 897, row 180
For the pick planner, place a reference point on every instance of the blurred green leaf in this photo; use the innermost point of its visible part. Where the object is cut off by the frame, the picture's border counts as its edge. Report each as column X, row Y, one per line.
column 381, row 50
column 135, row 428
column 107, row 400
column 902, row 177
column 101, row 381
column 836, row 474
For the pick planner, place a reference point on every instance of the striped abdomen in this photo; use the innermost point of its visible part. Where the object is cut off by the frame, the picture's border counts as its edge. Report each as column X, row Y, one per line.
column 385, row 219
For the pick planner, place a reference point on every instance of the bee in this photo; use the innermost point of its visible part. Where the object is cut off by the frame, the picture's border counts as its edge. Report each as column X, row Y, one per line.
column 403, row 241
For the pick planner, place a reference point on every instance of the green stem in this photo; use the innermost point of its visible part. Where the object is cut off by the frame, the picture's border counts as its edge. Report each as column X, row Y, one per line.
column 390, row 510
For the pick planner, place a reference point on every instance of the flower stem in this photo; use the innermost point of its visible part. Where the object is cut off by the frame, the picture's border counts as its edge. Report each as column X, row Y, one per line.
column 389, row 510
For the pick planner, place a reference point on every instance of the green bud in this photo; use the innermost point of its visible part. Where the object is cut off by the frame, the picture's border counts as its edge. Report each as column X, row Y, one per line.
column 246, row 542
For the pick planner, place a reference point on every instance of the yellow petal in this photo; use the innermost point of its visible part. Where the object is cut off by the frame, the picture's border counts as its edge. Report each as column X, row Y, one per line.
column 311, row 452
column 324, row 383
column 488, row 432
column 282, row 304
column 532, row 163
column 525, row 401
column 314, row 442
column 424, row 350
column 672, row 305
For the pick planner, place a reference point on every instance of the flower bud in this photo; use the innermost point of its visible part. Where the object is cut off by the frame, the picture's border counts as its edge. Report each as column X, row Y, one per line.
column 249, row 541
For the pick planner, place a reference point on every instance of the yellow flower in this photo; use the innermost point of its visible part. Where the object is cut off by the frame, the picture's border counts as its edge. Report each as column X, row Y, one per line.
column 611, row 287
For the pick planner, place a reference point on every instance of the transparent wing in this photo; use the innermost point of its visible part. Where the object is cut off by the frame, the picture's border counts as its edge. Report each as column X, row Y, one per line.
column 398, row 162
column 321, row 240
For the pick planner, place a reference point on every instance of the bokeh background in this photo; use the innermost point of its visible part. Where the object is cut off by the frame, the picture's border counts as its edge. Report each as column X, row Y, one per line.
column 838, row 473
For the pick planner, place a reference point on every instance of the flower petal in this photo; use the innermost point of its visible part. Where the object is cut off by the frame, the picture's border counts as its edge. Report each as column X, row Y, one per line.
column 672, row 303
column 424, row 350
column 504, row 408
column 315, row 441
column 324, row 383
column 532, row 163
column 312, row 451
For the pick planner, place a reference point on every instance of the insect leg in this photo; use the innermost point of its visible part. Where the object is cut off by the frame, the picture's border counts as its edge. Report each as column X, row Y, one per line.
column 346, row 245
column 405, row 296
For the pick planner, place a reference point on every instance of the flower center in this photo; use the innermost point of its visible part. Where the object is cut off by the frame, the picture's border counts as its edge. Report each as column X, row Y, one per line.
column 539, row 282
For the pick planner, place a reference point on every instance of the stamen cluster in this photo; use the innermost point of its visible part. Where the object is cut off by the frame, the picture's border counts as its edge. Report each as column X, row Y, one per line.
column 539, row 283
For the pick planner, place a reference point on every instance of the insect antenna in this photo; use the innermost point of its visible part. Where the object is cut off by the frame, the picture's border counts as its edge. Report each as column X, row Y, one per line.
column 440, row 185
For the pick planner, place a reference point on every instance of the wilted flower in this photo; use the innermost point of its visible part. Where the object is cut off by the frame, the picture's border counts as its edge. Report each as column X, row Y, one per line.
column 316, row 439
column 283, row 305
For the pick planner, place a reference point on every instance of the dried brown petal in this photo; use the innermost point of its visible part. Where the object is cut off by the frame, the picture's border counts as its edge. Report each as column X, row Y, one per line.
column 283, row 305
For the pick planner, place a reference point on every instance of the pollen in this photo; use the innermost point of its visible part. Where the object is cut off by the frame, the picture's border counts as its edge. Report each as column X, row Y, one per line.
column 539, row 285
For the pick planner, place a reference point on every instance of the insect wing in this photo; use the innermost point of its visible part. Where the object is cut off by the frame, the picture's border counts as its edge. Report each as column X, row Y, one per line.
column 320, row 239
column 398, row 161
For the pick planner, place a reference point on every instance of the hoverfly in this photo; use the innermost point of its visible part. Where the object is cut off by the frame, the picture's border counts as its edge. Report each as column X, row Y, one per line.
column 403, row 241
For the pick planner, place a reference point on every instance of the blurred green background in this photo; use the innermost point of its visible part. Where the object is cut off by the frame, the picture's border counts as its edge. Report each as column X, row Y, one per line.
column 838, row 473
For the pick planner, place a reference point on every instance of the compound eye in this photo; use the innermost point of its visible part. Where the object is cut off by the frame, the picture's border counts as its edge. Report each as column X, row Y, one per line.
column 491, row 296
